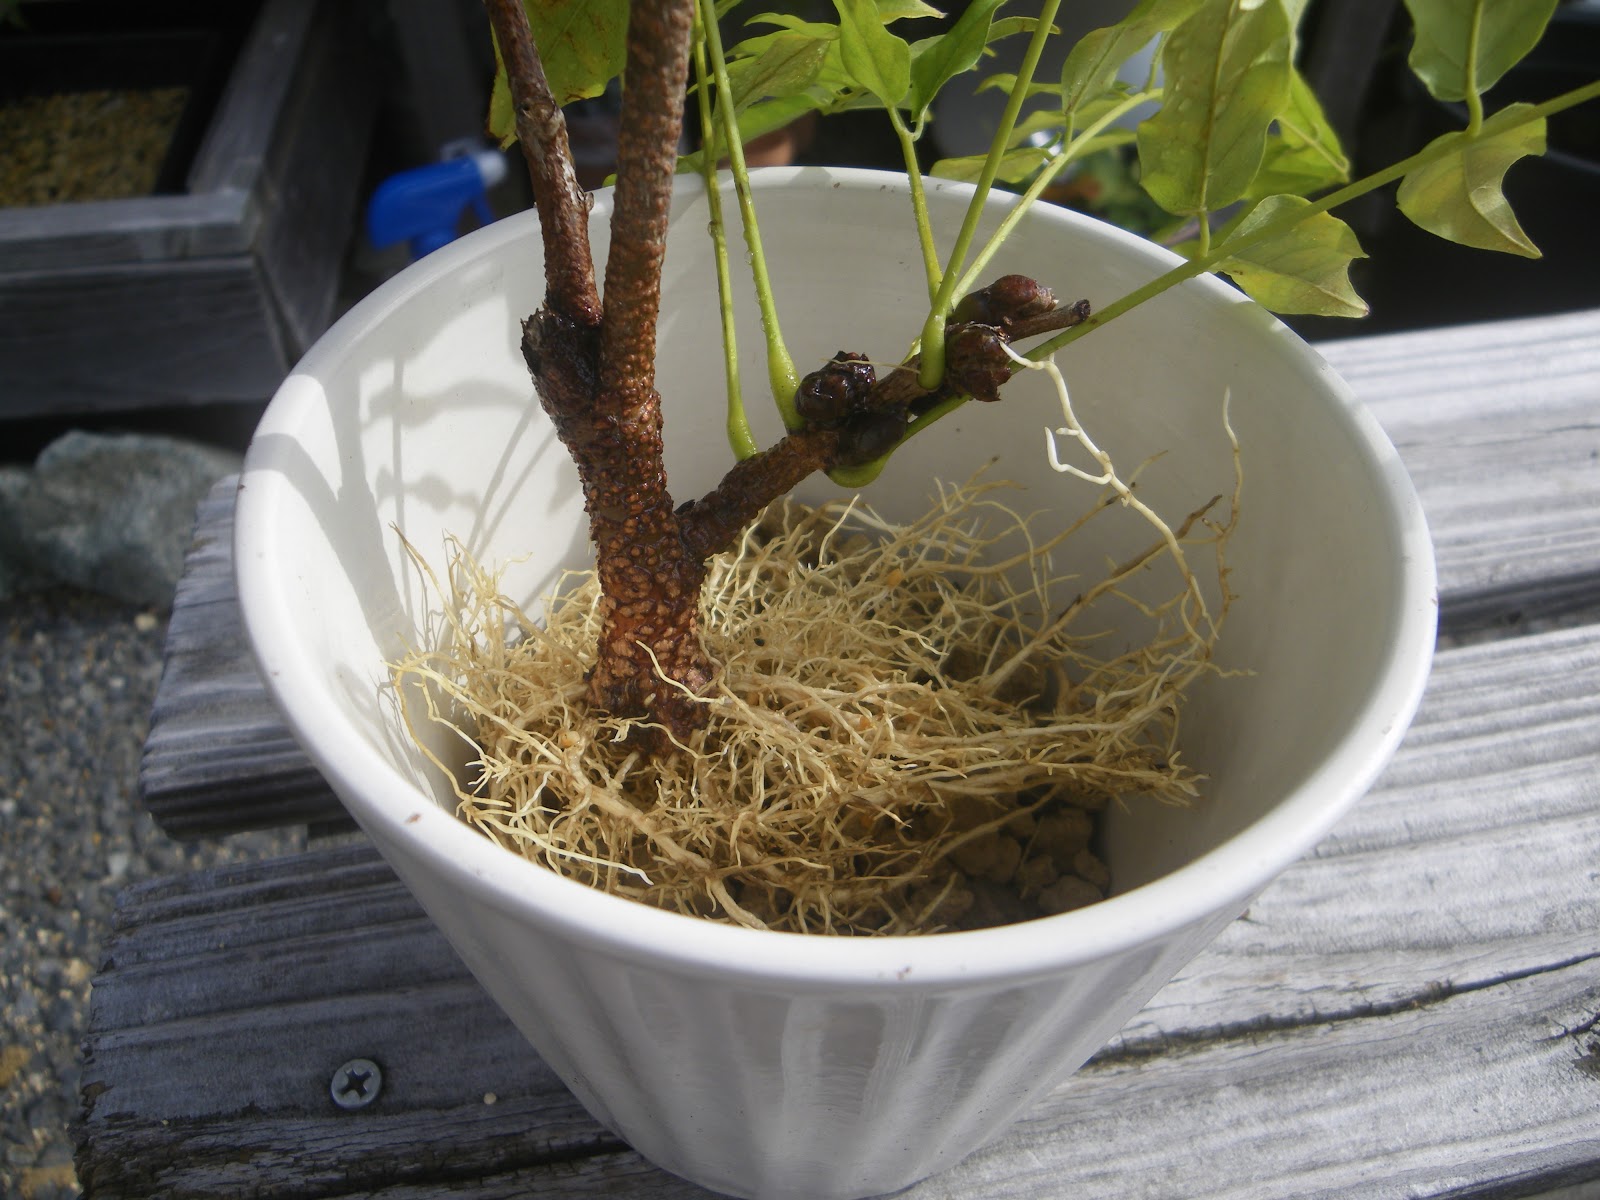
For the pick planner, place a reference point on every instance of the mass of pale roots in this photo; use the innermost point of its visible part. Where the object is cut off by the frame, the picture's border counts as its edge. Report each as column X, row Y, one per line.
column 903, row 735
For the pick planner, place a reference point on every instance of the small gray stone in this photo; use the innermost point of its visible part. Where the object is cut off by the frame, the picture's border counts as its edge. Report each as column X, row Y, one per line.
column 110, row 513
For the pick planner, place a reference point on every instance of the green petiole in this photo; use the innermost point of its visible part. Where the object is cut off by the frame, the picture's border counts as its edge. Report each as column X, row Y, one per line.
column 867, row 472
column 932, row 371
column 739, row 436
column 782, row 376
column 919, row 201
column 1044, row 178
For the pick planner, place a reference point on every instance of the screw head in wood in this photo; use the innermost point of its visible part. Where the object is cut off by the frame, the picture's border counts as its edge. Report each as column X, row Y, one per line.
column 356, row 1084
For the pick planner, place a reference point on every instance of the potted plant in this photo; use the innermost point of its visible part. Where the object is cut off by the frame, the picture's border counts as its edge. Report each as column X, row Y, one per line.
column 763, row 1063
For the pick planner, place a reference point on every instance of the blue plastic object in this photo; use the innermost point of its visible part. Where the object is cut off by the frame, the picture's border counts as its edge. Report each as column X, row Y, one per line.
column 423, row 206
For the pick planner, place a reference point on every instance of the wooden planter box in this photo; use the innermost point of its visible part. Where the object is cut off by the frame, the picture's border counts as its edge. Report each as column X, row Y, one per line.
column 211, row 291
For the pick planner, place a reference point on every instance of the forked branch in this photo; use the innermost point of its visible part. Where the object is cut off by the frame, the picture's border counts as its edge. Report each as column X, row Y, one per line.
column 594, row 369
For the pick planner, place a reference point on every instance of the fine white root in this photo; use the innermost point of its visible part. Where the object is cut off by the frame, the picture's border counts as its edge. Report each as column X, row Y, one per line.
column 904, row 735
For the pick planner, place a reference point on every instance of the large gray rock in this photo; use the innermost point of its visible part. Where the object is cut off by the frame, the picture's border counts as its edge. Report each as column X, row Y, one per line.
column 111, row 513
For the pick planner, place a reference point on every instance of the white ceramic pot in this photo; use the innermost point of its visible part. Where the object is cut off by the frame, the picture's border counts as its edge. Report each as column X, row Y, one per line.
column 774, row 1065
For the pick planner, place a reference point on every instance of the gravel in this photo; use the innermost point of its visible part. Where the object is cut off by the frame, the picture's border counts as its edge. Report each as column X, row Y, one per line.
column 78, row 673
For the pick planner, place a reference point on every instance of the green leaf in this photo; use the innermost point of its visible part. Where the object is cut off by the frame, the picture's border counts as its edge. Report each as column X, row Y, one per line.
column 1303, row 270
column 1004, row 81
column 1303, row 154
column 1449, row 31
column 936, row 61
column 832, row 80
column 583, row 44
column 754, row 121
column 1015, row 166
column 785, row 21
column 1458, row 196
column 1011, row 26
column 1050, row 124
column 878, row 60
column 787, row 64
column 903, row 10
column 1093, row 64
column 1047, row 121
column 1227, row 78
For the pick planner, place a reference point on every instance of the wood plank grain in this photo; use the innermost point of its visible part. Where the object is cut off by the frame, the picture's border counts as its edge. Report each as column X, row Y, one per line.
column 234, row 150
column 219, row 757
column 137, row 335
column 1499, row 425
column 314, row 170
column 97, row 233
column 1399, row 1014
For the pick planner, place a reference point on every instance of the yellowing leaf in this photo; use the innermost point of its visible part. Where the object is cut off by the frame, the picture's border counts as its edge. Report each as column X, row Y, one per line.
column 502, row 122
column 582, row 44
column 1305, row 269
column 1459, row 196
column 1227, row 78
column 1458, row 40
column 787, row 64
column 1303, row 154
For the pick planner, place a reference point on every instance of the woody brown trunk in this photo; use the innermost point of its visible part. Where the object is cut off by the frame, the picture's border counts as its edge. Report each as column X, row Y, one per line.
column 593, row 364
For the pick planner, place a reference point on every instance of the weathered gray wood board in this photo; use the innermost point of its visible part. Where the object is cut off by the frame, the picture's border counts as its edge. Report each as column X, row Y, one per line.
column 210, row 295
column 138, row 335
column 218, row 758
column 1499, row 426
column 1409, row 1012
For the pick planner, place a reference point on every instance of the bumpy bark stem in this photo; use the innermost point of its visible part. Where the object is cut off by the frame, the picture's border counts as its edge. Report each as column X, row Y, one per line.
column 542, row 132
column 650, row 657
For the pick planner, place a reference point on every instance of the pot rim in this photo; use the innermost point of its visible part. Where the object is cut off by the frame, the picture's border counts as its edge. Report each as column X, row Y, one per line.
column 1224, row 878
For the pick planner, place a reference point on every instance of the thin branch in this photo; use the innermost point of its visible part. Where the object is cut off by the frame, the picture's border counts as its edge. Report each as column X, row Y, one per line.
column 711, row 523
column 542, row 132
